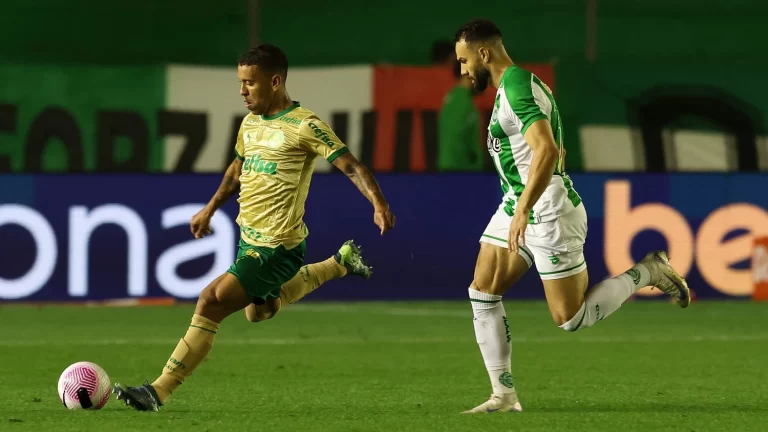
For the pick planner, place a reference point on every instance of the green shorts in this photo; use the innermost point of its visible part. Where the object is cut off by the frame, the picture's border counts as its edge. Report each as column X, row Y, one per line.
column 262, row 270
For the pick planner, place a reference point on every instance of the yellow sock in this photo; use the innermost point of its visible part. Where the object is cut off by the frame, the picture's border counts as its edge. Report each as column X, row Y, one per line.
column 309, row 278
column 189, row 353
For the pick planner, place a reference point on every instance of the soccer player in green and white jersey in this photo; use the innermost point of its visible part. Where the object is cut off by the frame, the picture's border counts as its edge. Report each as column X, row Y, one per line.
column 540, row 220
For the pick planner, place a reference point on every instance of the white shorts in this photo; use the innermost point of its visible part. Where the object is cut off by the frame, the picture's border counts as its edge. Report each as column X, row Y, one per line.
column 557, row 247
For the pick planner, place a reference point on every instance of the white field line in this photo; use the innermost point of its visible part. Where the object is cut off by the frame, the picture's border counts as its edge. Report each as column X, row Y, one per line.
column 421, row 341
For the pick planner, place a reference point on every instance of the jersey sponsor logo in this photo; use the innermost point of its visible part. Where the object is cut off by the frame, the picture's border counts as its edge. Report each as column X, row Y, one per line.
column 254, row 235
column 553, row 259
column 256, row 164
column 493, row 144
column 290, row 120
column 322, row 135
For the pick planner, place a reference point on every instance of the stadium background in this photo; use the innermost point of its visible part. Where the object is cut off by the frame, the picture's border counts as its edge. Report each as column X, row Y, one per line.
column 116, row 121
column 118, row 118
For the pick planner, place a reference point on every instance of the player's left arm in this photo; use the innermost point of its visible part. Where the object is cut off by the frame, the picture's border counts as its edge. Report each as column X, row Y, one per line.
column 538, row 134
column 316, row 136
column 545, row 156
column 534, row 124
column 362, row 177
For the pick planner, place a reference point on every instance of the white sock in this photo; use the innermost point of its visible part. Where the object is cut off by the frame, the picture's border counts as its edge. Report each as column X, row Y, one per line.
column 492, row 332
column 606, row 297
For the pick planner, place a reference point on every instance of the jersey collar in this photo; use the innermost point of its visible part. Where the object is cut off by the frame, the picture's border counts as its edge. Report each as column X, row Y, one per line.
column 295, row 105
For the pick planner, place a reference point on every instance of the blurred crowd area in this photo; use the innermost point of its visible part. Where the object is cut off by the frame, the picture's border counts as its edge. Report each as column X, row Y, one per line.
column 651, row 86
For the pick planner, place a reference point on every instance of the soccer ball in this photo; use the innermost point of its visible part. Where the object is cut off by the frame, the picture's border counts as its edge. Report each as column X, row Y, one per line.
column 84, row 385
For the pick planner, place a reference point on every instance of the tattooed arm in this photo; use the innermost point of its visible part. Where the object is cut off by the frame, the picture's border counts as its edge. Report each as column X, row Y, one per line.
column 366, row 183
column 201, row 222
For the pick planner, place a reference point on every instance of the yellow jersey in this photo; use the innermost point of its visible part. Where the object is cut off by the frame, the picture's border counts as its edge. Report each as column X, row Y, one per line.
column 278, row 154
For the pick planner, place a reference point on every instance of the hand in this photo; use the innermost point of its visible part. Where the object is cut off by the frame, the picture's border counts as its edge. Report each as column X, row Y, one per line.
column 517, row 231
column 384, row 219
column 201, row 223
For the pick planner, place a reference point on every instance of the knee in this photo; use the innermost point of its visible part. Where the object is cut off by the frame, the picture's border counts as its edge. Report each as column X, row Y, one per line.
column 256, row 315
column 486, row 287
column 264, row 311
column 268, row 314
column 564, row 318
column 561, row 320
column 207, row 299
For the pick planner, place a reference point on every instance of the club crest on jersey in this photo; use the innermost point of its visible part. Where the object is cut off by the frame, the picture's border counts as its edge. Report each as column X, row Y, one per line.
column 495, row 113
column 493, row 144
column 273, row 139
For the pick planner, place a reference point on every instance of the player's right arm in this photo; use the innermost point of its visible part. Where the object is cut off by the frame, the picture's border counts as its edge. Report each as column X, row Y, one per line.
column 230, row 185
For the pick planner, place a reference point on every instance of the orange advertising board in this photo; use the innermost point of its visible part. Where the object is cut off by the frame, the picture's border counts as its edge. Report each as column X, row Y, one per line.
column 760, row 268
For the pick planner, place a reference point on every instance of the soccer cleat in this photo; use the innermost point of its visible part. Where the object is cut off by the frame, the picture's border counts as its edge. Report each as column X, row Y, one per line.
column 498, row 403
column 142, row 398
column 665, row 278
column 350, row 256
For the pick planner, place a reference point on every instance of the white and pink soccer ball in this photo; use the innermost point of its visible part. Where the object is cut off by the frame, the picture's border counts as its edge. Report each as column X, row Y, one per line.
column 84, row 385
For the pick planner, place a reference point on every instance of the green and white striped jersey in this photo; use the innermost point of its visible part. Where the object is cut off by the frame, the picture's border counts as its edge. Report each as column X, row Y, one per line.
column 521, row 100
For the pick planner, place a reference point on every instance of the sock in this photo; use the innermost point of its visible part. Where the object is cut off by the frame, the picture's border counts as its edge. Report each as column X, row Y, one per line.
column 189, row 353
column 492, row 333
column 309, row 278
column 606, row 297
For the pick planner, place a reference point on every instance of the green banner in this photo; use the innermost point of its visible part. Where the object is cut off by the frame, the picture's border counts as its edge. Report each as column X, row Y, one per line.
column 80, row 118
column 635, row 117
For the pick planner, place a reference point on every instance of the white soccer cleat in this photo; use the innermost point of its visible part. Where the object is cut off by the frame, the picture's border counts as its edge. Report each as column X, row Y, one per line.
column 665, row 278
column 498, row 403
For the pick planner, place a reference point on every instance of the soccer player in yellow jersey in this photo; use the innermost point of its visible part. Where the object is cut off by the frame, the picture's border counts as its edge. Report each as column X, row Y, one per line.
column 275, row 155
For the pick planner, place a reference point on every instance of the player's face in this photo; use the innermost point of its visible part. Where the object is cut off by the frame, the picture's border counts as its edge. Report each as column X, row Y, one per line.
column 257, row 88
column 473, row 65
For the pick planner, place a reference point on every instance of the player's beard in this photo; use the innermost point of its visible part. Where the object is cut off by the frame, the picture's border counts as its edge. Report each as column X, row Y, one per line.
column 482, row 78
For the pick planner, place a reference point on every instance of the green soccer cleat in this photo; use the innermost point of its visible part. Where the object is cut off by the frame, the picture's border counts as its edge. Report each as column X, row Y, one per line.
column 142, row 398
column 665, row 278
column 350, row 256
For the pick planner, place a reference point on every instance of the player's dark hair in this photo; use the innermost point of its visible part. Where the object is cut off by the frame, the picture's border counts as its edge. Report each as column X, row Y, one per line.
column 478, row 30
column 267, row 57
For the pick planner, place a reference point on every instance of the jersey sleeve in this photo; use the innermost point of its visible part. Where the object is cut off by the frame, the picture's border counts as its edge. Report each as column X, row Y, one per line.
column 240, row 144
column 317, row 137
column 523, row 104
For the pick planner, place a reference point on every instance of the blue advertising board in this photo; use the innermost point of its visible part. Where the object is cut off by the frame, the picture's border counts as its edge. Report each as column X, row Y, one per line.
column 90, row 237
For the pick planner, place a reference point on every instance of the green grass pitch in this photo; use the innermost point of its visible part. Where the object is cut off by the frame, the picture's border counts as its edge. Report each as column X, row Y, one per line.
column 398, row 367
